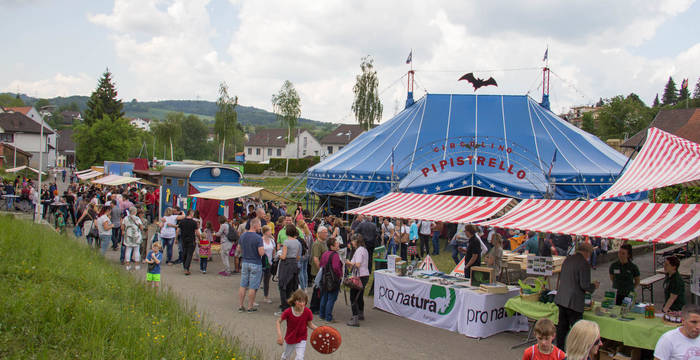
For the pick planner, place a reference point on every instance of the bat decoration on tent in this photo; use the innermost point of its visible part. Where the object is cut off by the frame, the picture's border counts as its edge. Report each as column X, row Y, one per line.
column 476, row 82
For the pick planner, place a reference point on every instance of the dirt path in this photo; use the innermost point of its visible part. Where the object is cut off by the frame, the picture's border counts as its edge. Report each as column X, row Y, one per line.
column 381, row 334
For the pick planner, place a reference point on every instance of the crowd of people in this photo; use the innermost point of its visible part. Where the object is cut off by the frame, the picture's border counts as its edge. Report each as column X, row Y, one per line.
column 265, row 241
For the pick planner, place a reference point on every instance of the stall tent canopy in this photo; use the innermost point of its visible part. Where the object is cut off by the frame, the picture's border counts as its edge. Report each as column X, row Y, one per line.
column 23, row 167
column 233, row 192
column 650, row 222
column 508, row 145
column 114, row 180
column 665, row 160
column 447, row 208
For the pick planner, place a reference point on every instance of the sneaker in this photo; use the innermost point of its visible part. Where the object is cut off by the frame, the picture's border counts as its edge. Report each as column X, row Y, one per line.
column 241, row 309
column 331, row 321
column 255, row 304
column 254, row 309
column 128, row 268
column 224, row 273
column 204, row 272
column 278, row 313
column 267, row 301
column 187, row 272
column 138, row 267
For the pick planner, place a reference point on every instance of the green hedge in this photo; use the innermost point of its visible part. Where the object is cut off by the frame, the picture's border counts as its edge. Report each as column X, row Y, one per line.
column 295, row 165
column 251, row 168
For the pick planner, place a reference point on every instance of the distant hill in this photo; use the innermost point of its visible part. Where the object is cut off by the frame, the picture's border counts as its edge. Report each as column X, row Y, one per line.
column 247, row 115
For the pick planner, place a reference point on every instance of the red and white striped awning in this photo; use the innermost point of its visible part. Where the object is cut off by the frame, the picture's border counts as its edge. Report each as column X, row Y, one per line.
column 664, row 160
column 651, row 222
column 446, row 208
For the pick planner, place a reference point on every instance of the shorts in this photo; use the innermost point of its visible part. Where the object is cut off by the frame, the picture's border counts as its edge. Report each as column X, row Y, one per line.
column 251, row 275
column 152, row 277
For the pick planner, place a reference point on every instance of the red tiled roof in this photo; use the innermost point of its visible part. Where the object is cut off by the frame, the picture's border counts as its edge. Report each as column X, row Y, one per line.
column 20, row 109
column 268, row 137
column 684, row 123
column 342, row 135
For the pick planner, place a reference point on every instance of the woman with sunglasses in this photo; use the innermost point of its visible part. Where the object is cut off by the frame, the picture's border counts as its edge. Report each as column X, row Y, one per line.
column 583, row 341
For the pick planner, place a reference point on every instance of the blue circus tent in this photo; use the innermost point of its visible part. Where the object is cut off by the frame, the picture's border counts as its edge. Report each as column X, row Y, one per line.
column 471, row 144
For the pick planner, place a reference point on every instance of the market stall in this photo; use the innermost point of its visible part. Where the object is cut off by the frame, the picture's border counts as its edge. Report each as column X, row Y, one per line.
column 447, row 303
column 635, row 330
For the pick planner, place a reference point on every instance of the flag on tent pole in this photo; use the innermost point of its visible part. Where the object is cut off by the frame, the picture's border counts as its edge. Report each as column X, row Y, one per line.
column 546, row 54
column 427, row 264
column 409, row 59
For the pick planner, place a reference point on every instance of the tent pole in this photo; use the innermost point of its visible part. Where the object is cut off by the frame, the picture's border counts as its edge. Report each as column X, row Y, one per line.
column 653, row 261
column 346, row 207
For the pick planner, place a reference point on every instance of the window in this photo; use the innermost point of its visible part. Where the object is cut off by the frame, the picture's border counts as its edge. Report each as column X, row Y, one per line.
column 257, row 151
column 315, row 152
column 279, row 152
column 168, row 181
column 303, row 153
column 340, row 147
column 330, row 149
column 269, row 151
column 181, row 183
column 306, row 141
column 7, row 138
column 250, row 151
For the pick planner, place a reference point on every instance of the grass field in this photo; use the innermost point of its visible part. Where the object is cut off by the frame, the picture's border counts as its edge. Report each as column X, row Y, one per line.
column 61, row 300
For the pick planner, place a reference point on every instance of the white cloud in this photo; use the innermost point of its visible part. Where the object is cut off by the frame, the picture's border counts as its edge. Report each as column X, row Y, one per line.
column 171, row 50
column 58, row 85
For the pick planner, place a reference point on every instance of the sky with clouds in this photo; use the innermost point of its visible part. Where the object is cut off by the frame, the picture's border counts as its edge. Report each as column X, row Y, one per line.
column 182, row 49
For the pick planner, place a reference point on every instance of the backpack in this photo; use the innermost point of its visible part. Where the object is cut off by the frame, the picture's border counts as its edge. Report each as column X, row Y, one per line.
column 329, row 280
column 232, row 235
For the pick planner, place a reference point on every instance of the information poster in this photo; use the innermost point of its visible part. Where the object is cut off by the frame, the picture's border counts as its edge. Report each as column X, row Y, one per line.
column 540, row 265
column 695, row 276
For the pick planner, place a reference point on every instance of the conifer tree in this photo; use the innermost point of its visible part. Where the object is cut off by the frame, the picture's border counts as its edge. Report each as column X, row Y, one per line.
column 696, row 93
column 670, row 92
column 656, row 102
column 103, row 101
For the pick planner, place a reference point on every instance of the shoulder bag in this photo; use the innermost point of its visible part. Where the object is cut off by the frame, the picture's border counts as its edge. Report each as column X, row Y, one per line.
column 353, row 281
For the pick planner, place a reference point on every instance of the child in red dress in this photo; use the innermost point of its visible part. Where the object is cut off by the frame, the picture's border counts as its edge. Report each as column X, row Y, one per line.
column 298, row 318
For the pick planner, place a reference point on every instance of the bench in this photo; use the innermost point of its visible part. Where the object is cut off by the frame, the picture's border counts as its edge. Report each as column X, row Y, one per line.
column 661, row 254
column 648, row 284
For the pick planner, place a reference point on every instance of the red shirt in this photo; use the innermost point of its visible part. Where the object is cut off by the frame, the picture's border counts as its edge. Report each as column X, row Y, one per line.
column 150, row 198
column 296, row 325
column 533, row 353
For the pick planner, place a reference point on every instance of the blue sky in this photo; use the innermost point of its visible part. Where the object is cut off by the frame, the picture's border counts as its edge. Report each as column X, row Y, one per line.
column 182, row 49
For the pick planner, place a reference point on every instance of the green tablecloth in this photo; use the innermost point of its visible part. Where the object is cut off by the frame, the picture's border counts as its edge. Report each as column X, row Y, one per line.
column 532, row 309
column 640, row 332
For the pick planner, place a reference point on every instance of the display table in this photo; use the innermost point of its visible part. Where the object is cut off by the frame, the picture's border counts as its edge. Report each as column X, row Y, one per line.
column 640, row 332
column 465, row 310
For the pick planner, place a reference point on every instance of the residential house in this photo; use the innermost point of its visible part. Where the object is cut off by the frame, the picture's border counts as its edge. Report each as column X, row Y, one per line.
column 65, row 148
column 32, row 113
column 143, row 124
column 8, row 153
column 575, row 114
column 338, row 138
column 272, row 143
column 25, row 133
column 684, row 123
column 69, row 117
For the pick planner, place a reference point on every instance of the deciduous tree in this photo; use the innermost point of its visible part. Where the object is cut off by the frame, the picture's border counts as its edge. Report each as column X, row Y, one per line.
column 225, row 120
column 106, row 139
column 367, row 106
column 286, row 104
column 588, row 123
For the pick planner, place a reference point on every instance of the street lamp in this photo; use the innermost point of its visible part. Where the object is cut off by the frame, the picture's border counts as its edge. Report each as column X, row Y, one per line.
column 41, row 160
